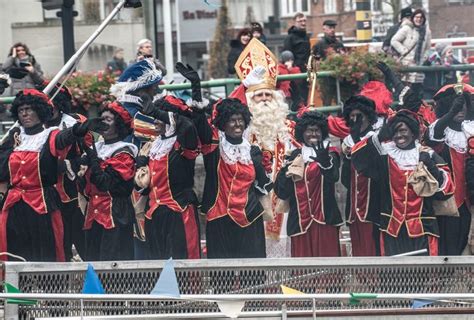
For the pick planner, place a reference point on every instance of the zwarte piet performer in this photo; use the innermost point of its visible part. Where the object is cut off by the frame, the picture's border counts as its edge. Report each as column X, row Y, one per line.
column 30, row 222
column 307, row 181
column 390, row 157
column 108, row 186
column 449, row 135
column 235, row 180
column 363, row 199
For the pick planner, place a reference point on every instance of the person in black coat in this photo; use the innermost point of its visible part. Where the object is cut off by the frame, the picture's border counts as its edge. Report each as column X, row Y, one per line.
column 236, row 47
column 297, row 41
column 329, row 41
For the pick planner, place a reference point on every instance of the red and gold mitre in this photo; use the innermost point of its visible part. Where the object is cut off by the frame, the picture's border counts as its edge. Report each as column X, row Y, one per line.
column 257, row 54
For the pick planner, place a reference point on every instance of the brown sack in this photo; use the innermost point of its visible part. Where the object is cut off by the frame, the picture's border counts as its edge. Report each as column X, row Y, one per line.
column 296, row 168
column 446, row 207
column 266, row 202
column 423, row 183
column 142, row 177
column 282, row 206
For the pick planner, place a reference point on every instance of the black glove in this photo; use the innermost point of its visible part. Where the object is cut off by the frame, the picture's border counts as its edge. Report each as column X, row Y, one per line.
column 457, row 105
column 445, row 120
column 153, row 110
column 431, row 166
column 355, row 127
column 95, row 124
column 322, row 154
column 385, row 133
column 390, row 77
column 189, row 73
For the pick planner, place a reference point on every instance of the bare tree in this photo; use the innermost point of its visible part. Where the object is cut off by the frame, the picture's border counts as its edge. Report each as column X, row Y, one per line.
column 220, row 44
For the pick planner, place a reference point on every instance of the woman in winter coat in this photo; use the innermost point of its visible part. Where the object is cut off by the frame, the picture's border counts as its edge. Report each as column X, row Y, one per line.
column 23, row 69
column 412, row 41
column 236, row 48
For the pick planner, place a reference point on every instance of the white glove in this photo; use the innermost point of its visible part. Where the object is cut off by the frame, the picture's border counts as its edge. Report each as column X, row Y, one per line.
column 254, row 77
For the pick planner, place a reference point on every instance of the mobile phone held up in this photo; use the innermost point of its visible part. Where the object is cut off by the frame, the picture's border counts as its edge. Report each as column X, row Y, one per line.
column 25, row 64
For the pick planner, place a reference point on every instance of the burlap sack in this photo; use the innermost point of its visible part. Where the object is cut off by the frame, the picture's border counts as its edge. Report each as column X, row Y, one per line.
column 446, row 207
column 296, row 169
column 423, row 182
column 142, row 177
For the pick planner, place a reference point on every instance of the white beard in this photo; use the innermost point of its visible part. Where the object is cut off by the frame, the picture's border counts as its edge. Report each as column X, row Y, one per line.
column 268, row 121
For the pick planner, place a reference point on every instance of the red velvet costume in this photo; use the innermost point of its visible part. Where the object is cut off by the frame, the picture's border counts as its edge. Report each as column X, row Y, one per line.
column 172, row 223
column 453, row 149
column 314, row 217
column 234, row 182
column 407, row 221
column 362, row 204
column 30, row 221
column 110, row 215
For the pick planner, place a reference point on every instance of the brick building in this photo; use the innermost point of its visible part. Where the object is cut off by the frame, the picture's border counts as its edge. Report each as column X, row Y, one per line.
column 451, row 18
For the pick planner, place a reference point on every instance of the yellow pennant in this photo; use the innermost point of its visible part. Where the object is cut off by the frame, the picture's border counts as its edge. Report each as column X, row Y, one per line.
column 287, row 290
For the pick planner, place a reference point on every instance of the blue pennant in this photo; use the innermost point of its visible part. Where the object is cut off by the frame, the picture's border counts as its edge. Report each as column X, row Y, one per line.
column 167, row 283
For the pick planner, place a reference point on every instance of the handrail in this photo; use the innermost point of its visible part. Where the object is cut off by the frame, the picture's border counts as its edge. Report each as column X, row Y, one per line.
column 231, row 82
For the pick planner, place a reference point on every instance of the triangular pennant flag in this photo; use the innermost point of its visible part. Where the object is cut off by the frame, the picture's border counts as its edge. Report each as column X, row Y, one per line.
column 287, row 290
column 356, row 297
column 211, row 4
column 167, row 283
column 12, row 289
column 92, row 282
column 421, row 303
column 231, row 309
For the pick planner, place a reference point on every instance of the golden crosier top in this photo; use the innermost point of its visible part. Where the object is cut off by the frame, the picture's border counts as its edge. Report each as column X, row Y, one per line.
column 257, row 54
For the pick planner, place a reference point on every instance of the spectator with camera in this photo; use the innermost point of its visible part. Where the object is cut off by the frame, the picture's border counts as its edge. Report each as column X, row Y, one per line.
column 25, row 72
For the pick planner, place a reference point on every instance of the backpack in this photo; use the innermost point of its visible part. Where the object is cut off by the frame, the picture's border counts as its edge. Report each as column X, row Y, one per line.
column 386, row 46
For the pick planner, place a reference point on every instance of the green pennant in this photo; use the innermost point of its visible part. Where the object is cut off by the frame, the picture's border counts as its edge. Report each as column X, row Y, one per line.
column 356, row 297
column 12, row 289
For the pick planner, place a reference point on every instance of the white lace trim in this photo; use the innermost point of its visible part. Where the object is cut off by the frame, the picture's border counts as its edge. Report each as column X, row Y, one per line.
column 456, row 140
column 130, row 98
column 196, row 104
column 405, row 159
column 348, row 141
column 33, row 142
column 161, row 147
column 308, row 152
column 233, row 153
column 379, row 124
column 67, row 121
column 105, row 151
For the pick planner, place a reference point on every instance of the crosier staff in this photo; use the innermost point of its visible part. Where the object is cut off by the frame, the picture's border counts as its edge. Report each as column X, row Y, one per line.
column 72, row 62
column 313, row 66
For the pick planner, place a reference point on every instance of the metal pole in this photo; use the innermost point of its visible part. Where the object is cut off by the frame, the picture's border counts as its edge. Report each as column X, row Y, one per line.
column 167, row 30
column 67, row 20
column 72, row 61
column 178, row 31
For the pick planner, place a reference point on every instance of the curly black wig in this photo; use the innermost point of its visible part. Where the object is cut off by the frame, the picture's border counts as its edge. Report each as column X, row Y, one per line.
column 444, row 102
column 39, row 105
column 227, row 108
column 122, row 129
column 308, row 119
column 364, row 104
column 62, row 100
column 407, row 117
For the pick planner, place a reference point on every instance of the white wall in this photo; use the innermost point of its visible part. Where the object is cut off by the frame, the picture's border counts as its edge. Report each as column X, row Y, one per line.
column 12, row 11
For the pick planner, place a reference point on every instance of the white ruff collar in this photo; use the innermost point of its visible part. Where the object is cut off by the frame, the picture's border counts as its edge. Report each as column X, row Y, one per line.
column 161, row 147
column 33, row 142
column 348, row 141
column 308, row 152
column 405, row 159
column 105, row 151
column 130, row 98
column 233, row 153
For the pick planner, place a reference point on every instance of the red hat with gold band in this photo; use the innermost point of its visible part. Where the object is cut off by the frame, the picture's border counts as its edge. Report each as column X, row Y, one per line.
column 121, row 111
column 257, row 54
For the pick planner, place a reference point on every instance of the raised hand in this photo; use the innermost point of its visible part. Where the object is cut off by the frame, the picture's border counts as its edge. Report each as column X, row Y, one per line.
column 189, row 73
column 355, row 128
column 385, row 133
column 457, row 105
column 322, row 154
column 95, row 124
